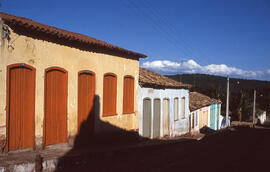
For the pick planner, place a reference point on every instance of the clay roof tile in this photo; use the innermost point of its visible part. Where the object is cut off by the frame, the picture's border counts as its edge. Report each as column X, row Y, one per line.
column 198, row 100
column 150, row 79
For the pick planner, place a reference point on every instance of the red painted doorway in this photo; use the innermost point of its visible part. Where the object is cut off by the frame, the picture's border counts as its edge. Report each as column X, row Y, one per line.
column 20, row 106
column 86, row 100
column 55, row 122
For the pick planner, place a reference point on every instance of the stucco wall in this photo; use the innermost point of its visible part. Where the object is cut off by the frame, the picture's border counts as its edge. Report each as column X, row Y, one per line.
column 196, row 121
column 204, row 111
column 207, row 110
column 178, row 127
column 42, row 54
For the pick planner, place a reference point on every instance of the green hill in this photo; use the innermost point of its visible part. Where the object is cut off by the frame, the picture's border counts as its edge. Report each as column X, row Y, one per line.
column 241, row 92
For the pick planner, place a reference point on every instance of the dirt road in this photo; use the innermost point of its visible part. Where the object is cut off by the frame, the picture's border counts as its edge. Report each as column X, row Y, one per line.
column 243, row 149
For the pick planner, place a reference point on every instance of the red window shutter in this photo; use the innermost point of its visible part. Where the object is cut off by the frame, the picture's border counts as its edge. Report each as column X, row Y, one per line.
column 128, row 95
column 109, row 94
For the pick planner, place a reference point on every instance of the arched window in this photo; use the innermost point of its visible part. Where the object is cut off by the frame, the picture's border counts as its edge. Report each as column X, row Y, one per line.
column 128, row 95
column 183, row 107
column 176, row 109
column 109, row 94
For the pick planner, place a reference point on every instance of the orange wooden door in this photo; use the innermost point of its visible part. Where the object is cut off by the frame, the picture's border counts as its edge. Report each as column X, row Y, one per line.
column 128, row 95
column 21, row 106
column 86, row 100
column 55, row 130
column 109, row 94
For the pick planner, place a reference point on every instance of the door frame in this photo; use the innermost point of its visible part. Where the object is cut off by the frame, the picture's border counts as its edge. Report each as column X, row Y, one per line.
column 9, row 67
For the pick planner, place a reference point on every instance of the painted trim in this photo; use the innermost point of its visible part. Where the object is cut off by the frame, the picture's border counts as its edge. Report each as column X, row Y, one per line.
column 55, row 68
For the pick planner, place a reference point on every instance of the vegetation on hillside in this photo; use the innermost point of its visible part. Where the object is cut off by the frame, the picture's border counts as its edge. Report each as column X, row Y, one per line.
column 241, row 93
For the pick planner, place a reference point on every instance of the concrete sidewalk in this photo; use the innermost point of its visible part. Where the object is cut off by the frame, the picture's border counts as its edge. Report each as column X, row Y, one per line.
column 27, row 161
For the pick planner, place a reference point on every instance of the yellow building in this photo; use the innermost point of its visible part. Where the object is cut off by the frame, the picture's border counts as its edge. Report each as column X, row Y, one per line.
column 54, row 82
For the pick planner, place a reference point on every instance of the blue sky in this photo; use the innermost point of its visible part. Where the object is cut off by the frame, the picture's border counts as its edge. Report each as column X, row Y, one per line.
column 221, row 37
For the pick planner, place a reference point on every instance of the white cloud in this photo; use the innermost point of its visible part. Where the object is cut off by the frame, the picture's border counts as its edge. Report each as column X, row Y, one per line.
column 191, row 66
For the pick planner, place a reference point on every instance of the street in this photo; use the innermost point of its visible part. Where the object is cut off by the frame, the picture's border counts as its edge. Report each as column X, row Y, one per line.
column 237, row 149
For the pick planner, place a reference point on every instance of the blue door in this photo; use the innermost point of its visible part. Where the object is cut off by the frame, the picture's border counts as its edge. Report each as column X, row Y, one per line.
column 213, row 117
column 218, row 114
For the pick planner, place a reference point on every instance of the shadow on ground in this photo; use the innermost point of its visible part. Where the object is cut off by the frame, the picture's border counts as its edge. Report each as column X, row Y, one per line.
column 89, row 146
column 239, row 148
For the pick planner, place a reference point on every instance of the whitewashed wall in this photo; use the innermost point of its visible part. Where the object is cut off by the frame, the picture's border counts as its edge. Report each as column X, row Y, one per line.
column 196, row 128
column 176, row 128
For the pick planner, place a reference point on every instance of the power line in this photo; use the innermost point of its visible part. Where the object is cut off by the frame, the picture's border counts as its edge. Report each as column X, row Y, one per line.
column 188, row 42
column 187, row 45
column 157, row 27
column 151, row 15
column 164, row 22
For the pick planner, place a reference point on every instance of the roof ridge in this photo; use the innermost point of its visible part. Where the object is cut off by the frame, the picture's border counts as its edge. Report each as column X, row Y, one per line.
column 149, row 78
column 198, row 100
column 47, row 29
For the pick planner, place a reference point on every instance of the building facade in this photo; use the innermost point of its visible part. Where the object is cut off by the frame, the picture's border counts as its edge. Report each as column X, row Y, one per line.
column 205, row 111
column 163, row 106
column 52, row 81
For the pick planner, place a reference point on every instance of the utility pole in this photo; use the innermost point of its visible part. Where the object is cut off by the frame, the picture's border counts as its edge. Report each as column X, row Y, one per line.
column 227, row 103
column 254, row 107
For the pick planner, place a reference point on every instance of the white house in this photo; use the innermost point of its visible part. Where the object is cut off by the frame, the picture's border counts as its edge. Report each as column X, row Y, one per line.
column 163, row 105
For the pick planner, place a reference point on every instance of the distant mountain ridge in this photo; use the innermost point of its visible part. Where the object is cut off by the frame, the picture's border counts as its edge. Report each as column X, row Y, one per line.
column 206, row 81
column 241, row 93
